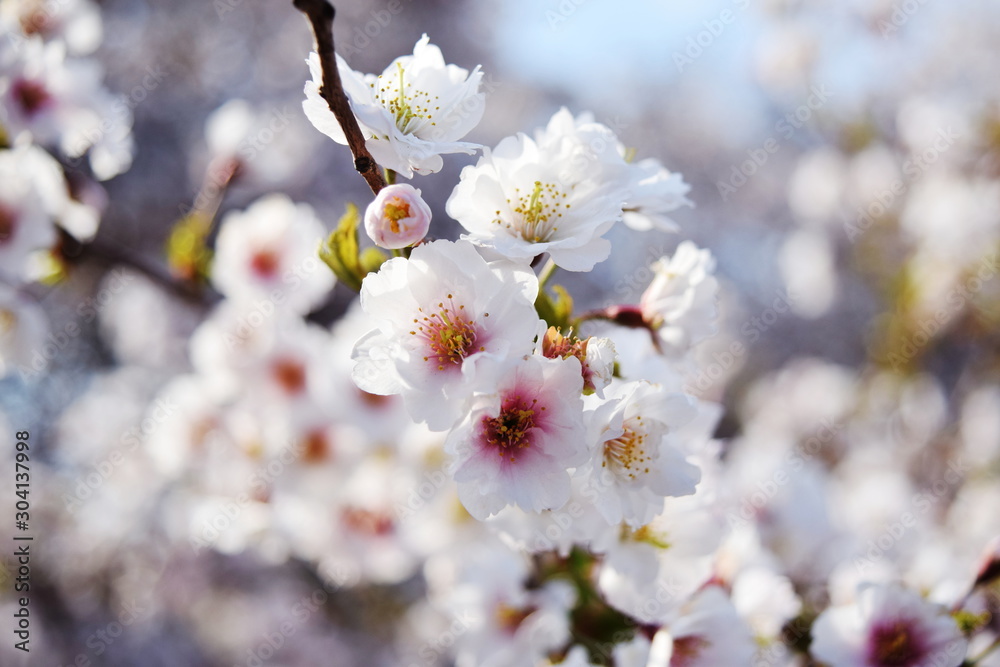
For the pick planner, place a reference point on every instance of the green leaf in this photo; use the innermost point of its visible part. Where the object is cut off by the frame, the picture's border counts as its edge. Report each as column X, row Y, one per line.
column 556, row 312
column 340, row 250
column 188, row 254
column 372, row 259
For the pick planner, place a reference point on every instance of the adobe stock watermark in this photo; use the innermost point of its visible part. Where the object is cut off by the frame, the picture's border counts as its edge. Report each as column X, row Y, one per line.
column 221, row 172
column 698, row 43
column 955, row 301
column 274, row 640
column 101, row 640
column 785, row 128
column 635, row 282
column 751, row 331
column 922, row 503
column 277, row 122
column 565, row 9
column 795, row 460
column 913, row 169
column 87, row 311
column 264, row 309
column 363, row 35
column 432, row 482
column 901, row 14
column 119, row 114
column 162, row 410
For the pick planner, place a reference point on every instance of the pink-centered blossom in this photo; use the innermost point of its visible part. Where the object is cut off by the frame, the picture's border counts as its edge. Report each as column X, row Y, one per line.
column 445, row 318
column 516, row 444
column 888, row 626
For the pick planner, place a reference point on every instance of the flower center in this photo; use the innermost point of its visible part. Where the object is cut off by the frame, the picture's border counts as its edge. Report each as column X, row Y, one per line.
column 510, row 618
column 7, row 224
column 316, row 447
column 450, row 335
column 536, row 214
column 405, row 106
column 31, row 95
column 508, row 431
column 290, row 375
column 686, row 650
column 647, row 535
column 264, row 263
column 367, row 522
column 627, row 453
column 894, row 646
column 396, row 209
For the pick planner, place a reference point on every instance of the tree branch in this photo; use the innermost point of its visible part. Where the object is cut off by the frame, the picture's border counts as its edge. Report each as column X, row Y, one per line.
column 320, row 14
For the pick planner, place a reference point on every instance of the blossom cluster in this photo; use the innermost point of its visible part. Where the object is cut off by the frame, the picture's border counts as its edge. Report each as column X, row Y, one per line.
column 531, row 480
column 52, row 107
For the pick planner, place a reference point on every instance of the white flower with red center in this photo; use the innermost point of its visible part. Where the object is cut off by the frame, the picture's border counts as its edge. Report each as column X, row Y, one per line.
column 557, row 193
column 53, row 100
column 411, row 114
column 444, row 317
column 75, row 22
column 705, row 632
column 266, row 257
column 634, row 466
column 398, row 217
column 888, row 626
column 680, row 302
column 25, row 225
column 516, row 444
column 506, row 623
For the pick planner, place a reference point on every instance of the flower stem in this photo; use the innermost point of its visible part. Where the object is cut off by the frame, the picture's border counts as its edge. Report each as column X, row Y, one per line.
column 546, row 273
column 390, row 176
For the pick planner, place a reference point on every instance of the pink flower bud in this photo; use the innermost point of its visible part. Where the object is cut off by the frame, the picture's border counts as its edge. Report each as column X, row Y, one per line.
column 398, row 217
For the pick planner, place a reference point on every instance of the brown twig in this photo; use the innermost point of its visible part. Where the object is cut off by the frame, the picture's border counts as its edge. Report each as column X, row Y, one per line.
column 320, row 14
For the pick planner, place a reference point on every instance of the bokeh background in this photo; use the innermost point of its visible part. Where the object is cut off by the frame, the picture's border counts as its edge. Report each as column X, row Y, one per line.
column 844, row 160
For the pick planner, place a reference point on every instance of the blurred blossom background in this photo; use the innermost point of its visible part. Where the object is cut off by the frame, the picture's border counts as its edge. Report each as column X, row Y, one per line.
column 844, row 163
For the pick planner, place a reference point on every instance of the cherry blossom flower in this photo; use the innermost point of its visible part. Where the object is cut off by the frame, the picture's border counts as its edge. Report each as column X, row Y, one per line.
column 634, row 466
column 887, row 626
column 266, row 257
column 706, row 632
column 59, row 101
column 680, row 302
column 25, row 224
column 516, row 444
column 398, row 217
column 444, row 316
column 411, row 114
column 505, row 623
column 75, row 22
column 557, row 193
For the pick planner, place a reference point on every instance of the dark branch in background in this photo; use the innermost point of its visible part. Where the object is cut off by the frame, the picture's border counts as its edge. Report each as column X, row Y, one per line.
column 109, row 255
column 320, row 14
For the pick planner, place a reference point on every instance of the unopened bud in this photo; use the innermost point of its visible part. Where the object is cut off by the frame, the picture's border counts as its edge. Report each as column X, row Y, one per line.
column 399, row 217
